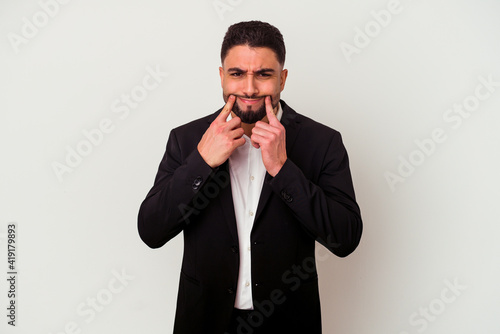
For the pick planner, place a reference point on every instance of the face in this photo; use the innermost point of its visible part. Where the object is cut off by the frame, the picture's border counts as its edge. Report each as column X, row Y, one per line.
column 251, row 74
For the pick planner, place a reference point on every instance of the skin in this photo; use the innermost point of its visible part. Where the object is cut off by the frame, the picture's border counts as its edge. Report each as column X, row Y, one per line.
column 252, row 78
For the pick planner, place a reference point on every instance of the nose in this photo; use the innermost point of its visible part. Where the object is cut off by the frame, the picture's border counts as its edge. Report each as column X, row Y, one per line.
column 250, row 86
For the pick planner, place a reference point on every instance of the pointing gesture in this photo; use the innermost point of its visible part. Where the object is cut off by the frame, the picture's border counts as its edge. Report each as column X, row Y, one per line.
column 221, row 138
column 271, row 140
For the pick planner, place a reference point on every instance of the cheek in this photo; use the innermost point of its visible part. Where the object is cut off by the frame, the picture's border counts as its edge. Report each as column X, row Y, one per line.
column 270, row 88
column 230, row 86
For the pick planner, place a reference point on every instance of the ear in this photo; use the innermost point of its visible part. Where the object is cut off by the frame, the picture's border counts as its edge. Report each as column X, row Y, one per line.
column 221, row 73
column 283, row 76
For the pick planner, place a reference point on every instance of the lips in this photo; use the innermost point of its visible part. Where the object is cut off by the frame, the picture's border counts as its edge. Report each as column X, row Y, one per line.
column 250, row 101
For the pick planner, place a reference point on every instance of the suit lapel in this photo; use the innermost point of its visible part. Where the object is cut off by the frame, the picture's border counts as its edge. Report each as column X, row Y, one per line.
column 225, row 197
column 290, row 122
column 226, row 202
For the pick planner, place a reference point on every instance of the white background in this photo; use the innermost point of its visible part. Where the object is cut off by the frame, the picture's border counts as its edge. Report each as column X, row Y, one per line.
column 438, row 227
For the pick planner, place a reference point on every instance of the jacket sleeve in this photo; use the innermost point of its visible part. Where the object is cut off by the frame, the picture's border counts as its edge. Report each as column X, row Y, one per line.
column 169, row 204
column 327, row 209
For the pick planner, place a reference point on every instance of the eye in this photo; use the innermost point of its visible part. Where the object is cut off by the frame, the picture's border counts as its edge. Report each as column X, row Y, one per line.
column 236, row 74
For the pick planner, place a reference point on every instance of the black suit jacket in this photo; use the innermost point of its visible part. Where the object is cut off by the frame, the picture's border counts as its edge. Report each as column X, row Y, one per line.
column 311, row 198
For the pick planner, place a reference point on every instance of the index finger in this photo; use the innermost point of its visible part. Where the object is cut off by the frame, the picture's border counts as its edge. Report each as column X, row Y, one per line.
column 227, row 108
column 271, row 117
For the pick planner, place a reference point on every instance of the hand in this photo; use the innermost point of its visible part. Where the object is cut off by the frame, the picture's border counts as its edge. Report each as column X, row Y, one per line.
column 221, row 138
column 271, row 140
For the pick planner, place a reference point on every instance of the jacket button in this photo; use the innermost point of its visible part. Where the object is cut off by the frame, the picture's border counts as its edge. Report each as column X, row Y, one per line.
column 234, row 249
column 230, row 291
column 254, row 318
column 197, row 182
column 286, row 196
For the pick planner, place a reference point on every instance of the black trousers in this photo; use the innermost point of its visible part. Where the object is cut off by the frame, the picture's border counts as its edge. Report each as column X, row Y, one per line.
column 255, row 322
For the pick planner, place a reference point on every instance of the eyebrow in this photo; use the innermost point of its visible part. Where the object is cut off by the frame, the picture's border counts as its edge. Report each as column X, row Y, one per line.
column 261, row 71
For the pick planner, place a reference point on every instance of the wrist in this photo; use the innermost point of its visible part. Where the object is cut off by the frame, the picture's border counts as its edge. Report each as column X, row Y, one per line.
column 202, row 154
column 274, row 171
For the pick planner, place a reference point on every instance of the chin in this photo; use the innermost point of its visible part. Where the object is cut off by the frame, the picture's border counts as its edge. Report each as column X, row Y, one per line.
column 252, row 109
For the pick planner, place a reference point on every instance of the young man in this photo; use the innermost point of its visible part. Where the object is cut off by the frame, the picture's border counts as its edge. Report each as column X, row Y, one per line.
column 252, row 187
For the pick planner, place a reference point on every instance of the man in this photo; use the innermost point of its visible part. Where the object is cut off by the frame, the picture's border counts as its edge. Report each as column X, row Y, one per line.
column 252, row 187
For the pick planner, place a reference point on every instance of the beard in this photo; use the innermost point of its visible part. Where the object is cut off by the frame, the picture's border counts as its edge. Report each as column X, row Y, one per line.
column 250, row 116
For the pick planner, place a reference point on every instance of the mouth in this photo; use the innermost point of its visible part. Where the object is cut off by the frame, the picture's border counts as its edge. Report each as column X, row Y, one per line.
column 250, row 101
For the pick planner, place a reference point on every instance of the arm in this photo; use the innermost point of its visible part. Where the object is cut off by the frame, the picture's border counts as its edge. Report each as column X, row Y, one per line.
column 165, row 211
column 327, row 210
column 169, row 204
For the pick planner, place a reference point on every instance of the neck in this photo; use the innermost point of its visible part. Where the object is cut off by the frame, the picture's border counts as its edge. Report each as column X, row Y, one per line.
column 248, row 128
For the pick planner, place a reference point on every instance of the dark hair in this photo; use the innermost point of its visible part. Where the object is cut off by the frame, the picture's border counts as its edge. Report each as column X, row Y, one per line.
column 255, row 34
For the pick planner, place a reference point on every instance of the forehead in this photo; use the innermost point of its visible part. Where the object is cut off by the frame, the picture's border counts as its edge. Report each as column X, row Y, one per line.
column 245, row 56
